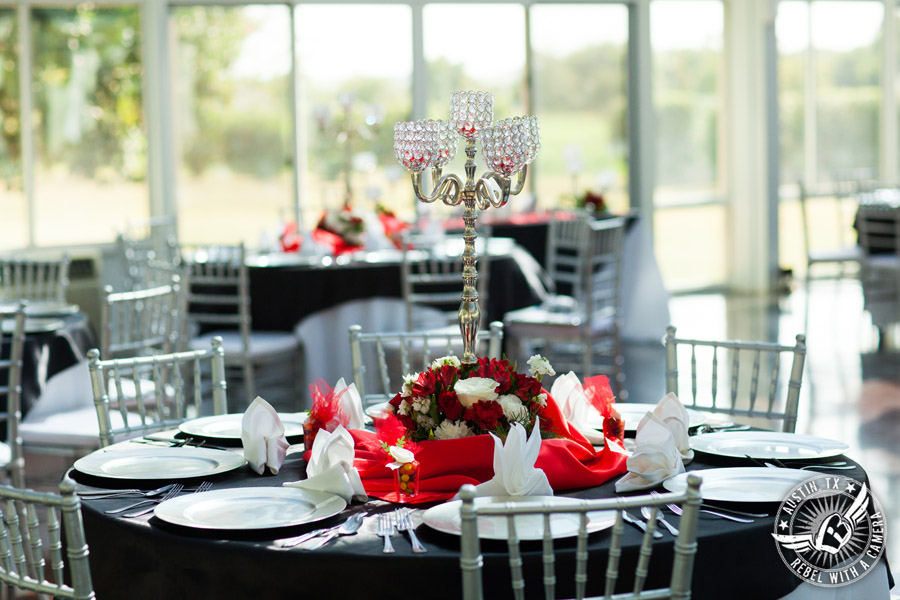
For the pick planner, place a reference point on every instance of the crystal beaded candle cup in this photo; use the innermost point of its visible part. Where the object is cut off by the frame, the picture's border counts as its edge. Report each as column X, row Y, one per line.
column 406, row 481
column 470, row 112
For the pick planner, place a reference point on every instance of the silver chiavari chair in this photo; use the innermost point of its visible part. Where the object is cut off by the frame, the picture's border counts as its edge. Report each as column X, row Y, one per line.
column 752, row 380
column 25, row 517
column 521, row 565
column 183, row 383
column 390, row 356
column 140, row 322
column 28, row 279
column 11, row 389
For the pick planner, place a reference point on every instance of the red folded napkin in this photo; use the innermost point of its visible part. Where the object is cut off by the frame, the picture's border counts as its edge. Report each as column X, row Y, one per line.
column 570, row 462
column 332, row 240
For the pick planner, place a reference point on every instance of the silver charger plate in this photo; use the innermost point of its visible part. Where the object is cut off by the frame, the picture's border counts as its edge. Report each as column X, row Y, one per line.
column 228, row 427
column 633, row 412
column 742, row 484
column 767, row 445
column 445, row 517
column 250, row 508
column 159, row 463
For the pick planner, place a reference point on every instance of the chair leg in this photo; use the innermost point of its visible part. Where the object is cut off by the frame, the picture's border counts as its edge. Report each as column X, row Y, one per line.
column 249, row 385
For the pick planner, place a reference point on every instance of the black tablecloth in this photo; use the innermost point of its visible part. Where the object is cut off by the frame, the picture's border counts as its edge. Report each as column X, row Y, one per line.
column 148, row 558
column 51, row 345
column 281, row 296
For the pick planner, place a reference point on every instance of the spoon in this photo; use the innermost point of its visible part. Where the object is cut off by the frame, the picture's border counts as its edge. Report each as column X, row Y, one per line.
column 647, row 514
column 349, row 527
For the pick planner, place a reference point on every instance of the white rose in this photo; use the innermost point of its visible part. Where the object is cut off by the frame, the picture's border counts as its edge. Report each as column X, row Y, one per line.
column 513, row 409
column 475, row 389
column 540, row 366
column 401, row 455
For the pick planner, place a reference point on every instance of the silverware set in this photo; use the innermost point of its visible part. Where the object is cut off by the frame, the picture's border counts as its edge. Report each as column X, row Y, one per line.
column 325, row 535
column 729, row 514
column 151, row 499
column 398, row 520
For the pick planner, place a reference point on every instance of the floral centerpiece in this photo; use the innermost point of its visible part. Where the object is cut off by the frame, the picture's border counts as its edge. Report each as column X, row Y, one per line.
column 451, row 400
column 593, row 202
column 343, row 230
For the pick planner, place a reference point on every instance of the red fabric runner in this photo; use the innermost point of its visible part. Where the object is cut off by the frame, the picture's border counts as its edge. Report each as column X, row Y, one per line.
column 570, row 461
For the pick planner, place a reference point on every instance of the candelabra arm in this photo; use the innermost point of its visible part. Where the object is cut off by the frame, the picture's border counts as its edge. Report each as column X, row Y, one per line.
column 488, row 195
column 520, row 181
column 447, row 188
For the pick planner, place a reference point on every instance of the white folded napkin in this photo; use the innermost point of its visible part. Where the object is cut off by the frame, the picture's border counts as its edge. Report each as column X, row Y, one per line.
column 262, row 434
column 672, row 412
column 655, row 457
column 569, row 394
column 351, row 404
column 330, row 467
column 514, row 471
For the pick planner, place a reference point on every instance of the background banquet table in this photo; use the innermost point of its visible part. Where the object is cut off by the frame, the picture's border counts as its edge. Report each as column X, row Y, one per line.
column 153, row 559
column 51, row 346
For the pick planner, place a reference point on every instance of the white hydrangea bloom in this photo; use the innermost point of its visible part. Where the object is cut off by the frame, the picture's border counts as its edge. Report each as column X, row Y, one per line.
column 423, row 405
column 425, row 421
column 404, row 408
column 540, row 366
column 475, row 389
column 409, row 380
column 451, row 430
column 513, row 409
column 445, row 360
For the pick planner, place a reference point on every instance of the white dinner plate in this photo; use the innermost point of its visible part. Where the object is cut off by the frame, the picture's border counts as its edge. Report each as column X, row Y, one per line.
column 377, row 410
column 767, row 445
column 228, row 427
column 742, row 484
column 250, row 508
column 159, row 463
column 41, row 308
column 445, row 517
column 633, row 412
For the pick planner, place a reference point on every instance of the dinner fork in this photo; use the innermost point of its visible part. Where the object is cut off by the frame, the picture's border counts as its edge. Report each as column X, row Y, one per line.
column 386, row 530
column 203, row 487
column 175, row 489
column 100, row 494
column 734, row 515
column 404, row 523
column 143, row 511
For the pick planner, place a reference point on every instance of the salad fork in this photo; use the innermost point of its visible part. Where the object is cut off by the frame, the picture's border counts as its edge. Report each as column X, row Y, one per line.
column 103, row 494
column 404, row 523
column 174, row 489
column 386, row 530
column 729, row 514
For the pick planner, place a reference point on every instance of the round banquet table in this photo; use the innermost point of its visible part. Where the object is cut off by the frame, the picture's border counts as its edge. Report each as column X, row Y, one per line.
column 51, row 346
column 146, row 557
column 285, row 288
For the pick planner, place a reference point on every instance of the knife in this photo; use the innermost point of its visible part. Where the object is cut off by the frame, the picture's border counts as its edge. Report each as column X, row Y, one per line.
column 639, row 524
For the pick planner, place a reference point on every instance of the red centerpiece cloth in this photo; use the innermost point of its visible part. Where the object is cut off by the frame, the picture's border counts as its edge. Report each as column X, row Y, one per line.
column 334, row 241
column 569, row 461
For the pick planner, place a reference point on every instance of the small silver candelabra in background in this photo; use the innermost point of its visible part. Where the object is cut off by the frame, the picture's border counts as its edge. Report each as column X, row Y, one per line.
column 508, row 146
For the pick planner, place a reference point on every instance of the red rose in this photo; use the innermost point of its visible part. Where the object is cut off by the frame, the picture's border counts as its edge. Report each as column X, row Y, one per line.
column 527, row 387
column 408, row 422
column 486, row 414
column 396, row 400
column 450, row 405
column 504, row 381
column 446, row 375
column 424, row 385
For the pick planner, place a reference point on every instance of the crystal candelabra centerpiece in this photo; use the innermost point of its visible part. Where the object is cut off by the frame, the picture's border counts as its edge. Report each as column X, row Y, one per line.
column 508, row 147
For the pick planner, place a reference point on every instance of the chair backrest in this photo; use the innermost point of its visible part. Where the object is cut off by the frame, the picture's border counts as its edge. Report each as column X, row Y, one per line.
column 149, row 259
column 432, row 276
column 567, row 243
column 533, row 513
column 218, row 288
column 393, row 355
column 768, row 387
column 27, row 279
column 603, row 268
column 182, row 383
column 141, row 322
column 25, row 515
column 826, row 213
column 11, row 387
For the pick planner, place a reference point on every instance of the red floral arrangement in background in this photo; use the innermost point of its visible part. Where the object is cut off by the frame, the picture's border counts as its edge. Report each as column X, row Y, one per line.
column 450, row 400
column 342, row 230
column 393, row 227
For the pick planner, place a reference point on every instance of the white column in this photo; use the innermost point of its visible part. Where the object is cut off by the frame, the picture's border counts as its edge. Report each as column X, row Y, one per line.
column 889, row 122
column 748, row 25
column 641, row 122
column 157, row 94
column 26, row 119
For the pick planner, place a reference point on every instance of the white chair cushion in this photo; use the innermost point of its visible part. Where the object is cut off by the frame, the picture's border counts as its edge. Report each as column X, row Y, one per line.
column 262, row 343
column 76, row 428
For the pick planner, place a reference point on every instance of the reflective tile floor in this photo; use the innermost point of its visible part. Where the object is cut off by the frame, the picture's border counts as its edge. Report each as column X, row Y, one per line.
column 850, row 391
